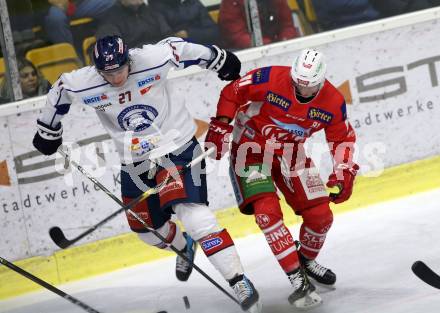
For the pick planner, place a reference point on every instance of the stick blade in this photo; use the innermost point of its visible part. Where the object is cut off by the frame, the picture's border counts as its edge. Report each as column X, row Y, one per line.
column 422, row 271
column 58, row 237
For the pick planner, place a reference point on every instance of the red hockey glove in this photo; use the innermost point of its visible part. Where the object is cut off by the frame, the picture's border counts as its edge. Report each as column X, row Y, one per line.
column 342, row 177
column 219, row 134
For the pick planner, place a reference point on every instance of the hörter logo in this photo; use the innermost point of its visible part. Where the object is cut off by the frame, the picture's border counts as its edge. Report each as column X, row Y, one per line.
column 278, row 100
column 320, row 115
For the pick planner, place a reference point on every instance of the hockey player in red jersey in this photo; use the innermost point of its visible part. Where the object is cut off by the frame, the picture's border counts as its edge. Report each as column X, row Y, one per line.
column 275, row 110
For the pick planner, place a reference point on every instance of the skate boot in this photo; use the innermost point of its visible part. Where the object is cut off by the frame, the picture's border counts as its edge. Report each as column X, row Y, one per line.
column 318, row 272
column 304, row 295
column 246, row 294
column 183, row 267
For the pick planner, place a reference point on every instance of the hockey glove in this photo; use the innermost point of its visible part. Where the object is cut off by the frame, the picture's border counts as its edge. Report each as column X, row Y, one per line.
column 219, row 134
column 48, row 139
column 225, row 63
column 342, row 177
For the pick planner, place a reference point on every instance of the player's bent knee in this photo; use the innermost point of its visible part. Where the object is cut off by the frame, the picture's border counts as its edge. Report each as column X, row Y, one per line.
column 199, row 221
column 316, row 223
column 168, row 231
column 267, row 211
column 318, row 218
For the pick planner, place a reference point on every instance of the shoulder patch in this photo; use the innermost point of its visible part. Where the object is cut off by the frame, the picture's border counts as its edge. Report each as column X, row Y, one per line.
column 320, row 115
column 261, row 76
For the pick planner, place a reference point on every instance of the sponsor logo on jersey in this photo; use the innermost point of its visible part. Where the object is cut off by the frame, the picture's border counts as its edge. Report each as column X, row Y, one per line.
column 284, row 132
column 143, row 145
column 297, row 118
column 147, row 80
column 211, row 243
column 261, row 75
column 143, row 91
column 320, row 115
column 102, row 107
column 95, row 98
column 137, row 117
column 278, row 101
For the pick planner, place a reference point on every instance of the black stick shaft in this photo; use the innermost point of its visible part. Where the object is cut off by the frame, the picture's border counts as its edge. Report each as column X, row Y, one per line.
column 134, row 215
column 130, row 205
column 44, row 284
column 425, row 273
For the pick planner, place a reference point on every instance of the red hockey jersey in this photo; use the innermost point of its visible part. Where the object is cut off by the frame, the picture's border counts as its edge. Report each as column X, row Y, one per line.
column 273, row 113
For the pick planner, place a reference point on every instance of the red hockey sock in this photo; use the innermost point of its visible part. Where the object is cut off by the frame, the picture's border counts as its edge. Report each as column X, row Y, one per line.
column 316, row 223
column 269, row 218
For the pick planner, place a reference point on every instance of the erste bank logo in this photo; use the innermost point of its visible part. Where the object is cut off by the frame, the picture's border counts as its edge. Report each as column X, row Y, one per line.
column 147, row 80
column 95, row 98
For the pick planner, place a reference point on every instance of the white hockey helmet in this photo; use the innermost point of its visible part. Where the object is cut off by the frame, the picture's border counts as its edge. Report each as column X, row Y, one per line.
column 308, row 69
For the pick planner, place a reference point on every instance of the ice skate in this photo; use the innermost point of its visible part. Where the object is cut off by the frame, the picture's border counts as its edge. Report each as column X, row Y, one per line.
column 304, row 296
column 246, row 294
column 317, row 272
column 183, row 267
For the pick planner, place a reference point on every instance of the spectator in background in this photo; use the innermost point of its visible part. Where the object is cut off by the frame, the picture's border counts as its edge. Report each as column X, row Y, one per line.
column 332, row 14
column 275, row 18
column 31, row 81
column 57, row 20
column 134, row 21
column 23, row 18
column 189, row 19
column 395, row 7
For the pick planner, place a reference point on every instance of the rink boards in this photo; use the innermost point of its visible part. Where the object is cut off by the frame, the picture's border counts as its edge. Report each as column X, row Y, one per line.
column 391, row 87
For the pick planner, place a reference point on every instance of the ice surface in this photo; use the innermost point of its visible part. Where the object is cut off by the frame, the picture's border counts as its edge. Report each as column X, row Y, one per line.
column 371, row 250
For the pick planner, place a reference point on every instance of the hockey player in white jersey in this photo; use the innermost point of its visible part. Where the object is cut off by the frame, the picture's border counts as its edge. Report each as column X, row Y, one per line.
column 127, row 88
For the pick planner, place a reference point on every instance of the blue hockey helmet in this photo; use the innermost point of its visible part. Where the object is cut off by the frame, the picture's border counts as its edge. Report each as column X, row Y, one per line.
column 110, row 53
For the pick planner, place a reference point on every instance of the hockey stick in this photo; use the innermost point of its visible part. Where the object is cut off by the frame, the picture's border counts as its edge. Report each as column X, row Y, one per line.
column 426, row 274
column 57, row 234
column 37, row 280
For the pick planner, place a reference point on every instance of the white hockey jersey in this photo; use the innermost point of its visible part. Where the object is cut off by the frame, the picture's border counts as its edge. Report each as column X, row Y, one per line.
column 139, row 116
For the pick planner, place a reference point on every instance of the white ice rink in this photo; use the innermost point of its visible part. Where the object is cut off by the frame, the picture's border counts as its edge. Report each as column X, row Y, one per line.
column 371, row 251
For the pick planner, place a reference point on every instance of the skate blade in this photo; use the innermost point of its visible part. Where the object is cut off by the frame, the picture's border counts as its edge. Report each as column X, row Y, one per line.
column 256, row 308
column 322, row 288
column 310, row 301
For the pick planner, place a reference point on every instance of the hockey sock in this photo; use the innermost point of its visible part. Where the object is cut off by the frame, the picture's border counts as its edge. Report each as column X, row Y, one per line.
column 172, row 234
column 220, row 250
column 316, row 223
column 269, row 218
